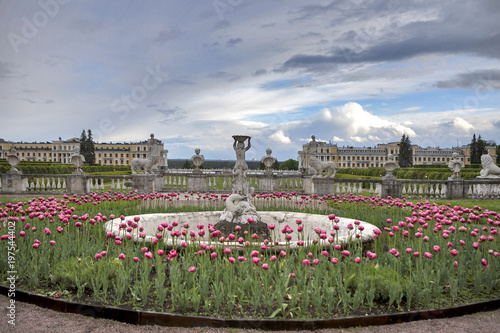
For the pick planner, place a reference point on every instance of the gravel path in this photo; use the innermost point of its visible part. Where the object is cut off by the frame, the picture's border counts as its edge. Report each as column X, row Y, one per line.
column 31, row 318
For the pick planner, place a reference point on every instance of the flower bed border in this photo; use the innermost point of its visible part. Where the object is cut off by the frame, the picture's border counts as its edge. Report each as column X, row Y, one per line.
column 138, row 317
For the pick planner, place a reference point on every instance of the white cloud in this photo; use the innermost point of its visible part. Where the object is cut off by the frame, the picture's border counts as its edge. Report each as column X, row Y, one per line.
column 413, row 108
column 280, row 137
column 462, row 124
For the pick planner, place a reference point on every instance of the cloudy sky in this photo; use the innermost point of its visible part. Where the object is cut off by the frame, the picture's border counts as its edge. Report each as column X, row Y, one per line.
column 194, row 73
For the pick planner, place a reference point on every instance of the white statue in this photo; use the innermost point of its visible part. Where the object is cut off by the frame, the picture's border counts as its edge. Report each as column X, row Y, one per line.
column 197, row 159
column 456, row 164
column 319, row 167
column 13, row 161
column 490, row 169
column 239, row 208
column 137, row 164
column 240, row 167
column 268, row 160
column 77, row 159
column 390, row 165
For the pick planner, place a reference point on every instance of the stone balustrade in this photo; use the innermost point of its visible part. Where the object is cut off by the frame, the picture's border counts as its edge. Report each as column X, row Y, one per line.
column 220, row 181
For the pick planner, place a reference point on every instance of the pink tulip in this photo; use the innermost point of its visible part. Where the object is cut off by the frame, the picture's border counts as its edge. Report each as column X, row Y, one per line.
column 121, row 256
column 265, row 266
column 192, row 269
column 334, row 260
column 306, row 262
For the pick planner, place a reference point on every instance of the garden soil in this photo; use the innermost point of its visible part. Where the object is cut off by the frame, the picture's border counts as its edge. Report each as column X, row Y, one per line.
column 31, row 318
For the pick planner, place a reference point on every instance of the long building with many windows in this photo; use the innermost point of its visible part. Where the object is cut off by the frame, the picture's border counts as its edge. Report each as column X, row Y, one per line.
column 366, row 157
column 61, row 150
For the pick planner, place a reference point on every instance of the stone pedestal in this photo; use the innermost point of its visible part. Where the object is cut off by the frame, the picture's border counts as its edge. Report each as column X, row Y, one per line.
column 77, row 183
column 323, row 185
column 308, row 185
column 197, row 182
column 269, row 183
column 390, row 187
column 456, row 189
column 146, row 183
column 12, row 183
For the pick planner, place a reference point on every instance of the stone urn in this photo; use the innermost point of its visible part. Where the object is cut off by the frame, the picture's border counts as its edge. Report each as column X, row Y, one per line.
column 13, row 161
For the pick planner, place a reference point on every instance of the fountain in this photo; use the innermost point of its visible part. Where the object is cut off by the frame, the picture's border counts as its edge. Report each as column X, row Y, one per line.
column 240, row 216
column 240, row 213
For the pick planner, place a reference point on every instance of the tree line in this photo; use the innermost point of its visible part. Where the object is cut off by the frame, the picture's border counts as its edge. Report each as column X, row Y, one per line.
column 477, row 148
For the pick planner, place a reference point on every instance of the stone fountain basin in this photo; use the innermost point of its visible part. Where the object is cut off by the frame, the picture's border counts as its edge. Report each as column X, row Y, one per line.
column 150, row 223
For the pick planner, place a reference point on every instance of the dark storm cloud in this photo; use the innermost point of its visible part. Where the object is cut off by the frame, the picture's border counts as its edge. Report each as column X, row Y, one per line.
column 233, row 41
column 5, row 71
column 488, row 46
column 484, row 80
column 168, row 35
column 449, row 32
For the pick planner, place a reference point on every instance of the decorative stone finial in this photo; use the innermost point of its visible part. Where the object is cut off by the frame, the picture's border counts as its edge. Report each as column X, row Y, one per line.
column 268, row 160
column 13, row 161
column 197, row 160
column 455, row 165
column 77, row 160
column 390, row 165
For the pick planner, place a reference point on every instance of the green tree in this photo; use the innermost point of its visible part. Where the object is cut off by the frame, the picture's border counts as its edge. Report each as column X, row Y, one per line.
column 186, row 165
column 83, row 145
column 405, row 152
column 87, row 147
column 289, row 164
column 474, row 158
column 90, row 158
column 477, row 148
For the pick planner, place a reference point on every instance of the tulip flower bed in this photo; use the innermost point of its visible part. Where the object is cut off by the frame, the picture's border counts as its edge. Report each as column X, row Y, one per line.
column 423, row 255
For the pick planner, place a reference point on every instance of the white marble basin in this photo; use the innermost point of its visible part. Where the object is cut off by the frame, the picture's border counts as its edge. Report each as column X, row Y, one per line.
column 150, row 223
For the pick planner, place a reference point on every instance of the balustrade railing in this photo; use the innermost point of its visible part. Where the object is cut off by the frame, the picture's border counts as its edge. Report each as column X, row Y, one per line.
column 483, row 189
column 119, row 184
column 44, row 183
column 423, row 189
column 220, row 181
column 358, row 187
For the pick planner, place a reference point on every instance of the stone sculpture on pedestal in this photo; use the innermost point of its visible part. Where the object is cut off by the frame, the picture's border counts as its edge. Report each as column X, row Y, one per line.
column 390, row 165
column 456, row 164
column 490, row 169
column 137, row 164
column 316, row 165
column 77, row 160
column 240, row 210
column 13, row 161
column 197, row 160
column 268, row 160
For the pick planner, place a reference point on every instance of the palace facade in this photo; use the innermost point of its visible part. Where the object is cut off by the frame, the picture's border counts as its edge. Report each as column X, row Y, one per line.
column 61, row 150
column 367, row 157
